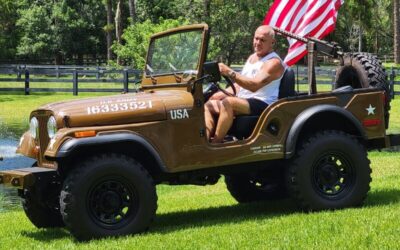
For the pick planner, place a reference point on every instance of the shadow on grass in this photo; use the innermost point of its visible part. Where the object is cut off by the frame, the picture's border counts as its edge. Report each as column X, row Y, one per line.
column 222, row 215
column 47, row 235
column 175, row 221
column 382, row 197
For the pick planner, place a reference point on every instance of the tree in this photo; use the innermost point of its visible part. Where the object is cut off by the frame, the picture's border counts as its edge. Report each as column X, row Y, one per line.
column 109, row 28
column 51, row 29
column 9, row 34
column 132, row 10
column 396, row 5
column 137, row 38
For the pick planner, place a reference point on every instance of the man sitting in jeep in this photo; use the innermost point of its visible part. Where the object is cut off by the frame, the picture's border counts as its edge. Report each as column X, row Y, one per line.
column 257, row 86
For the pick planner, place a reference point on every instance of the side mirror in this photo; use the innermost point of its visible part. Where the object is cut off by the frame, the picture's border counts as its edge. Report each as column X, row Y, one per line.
column 211, row 69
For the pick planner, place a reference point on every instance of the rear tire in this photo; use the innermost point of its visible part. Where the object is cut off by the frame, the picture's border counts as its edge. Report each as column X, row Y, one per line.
column 261, row 187
column 364, row 70
column 330, row 171
column 108, row 195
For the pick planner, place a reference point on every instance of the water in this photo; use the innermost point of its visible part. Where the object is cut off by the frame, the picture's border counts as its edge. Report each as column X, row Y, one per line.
column 11, row 160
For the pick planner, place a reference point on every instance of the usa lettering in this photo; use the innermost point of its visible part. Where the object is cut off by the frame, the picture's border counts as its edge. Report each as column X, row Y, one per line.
column 179, row 114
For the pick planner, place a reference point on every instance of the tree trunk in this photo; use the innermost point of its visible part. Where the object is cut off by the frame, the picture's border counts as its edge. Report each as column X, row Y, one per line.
column 207, row 4
column 118, row 26
column 132, row 10
column 109, row 29
column 396, row 5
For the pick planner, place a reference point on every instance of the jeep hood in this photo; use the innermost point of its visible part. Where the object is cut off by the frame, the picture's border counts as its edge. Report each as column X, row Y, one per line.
column 119, row 109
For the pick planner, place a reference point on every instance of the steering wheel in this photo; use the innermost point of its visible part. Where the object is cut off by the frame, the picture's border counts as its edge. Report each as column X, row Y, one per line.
column 229, row 84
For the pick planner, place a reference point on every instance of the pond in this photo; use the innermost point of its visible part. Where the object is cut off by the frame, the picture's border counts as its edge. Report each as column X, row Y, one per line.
column 11, row 160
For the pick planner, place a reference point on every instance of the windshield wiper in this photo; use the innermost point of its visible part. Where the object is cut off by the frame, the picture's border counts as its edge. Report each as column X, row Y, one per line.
column 151, row 71
column 178, row 78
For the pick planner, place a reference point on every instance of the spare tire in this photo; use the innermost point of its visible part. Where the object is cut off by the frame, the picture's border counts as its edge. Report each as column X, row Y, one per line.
column 364, row 70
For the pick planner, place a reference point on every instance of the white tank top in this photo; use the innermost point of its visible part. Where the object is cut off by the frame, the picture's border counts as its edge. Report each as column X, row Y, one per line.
column 269, row 93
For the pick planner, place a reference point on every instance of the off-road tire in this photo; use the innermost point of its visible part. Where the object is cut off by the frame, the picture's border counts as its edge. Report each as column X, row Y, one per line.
column 108, row 195
column 364, row 70
column 41, row 215
column 329, row 171
column 247, row 189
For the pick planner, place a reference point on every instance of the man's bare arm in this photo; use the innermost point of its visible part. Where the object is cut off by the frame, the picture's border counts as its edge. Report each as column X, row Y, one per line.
column 269, row 72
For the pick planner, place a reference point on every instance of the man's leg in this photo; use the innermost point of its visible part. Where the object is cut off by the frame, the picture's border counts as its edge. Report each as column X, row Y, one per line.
column 211, row 113
column 229, row 107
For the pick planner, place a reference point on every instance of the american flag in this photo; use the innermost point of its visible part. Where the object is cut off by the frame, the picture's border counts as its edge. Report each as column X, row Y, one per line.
column 307, row 18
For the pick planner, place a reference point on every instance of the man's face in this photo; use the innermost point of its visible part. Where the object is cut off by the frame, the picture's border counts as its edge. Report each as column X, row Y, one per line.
column 262, row 42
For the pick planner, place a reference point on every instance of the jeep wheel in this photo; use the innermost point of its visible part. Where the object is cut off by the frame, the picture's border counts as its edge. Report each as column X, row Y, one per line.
column 248, row 189
column 41, row 213
column 364, row 70
column 330, row 170
column 108, row 195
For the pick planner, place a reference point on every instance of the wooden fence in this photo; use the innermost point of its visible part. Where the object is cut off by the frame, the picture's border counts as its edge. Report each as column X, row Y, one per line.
column 126, row 79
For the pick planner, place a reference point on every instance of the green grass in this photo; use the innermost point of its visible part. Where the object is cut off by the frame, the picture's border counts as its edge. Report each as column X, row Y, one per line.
column 191, row 217
column 16, row 107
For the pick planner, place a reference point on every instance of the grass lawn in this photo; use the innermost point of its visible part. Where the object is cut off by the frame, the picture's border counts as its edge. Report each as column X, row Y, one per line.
column 191, row 217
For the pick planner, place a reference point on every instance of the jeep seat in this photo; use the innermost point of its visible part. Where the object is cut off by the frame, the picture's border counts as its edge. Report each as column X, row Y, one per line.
column 243, row 125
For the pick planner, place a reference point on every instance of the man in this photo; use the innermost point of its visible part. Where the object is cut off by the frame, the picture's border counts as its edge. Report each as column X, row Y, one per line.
column 257, row 86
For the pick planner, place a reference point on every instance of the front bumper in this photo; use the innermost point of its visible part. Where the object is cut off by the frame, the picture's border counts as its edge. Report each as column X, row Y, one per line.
column 27, row 177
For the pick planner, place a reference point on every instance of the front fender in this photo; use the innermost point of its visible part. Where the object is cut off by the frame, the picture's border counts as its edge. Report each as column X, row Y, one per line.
column 69, row 147
column 310, row 113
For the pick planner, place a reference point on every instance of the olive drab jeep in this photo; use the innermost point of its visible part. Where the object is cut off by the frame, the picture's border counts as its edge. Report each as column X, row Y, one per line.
column 98, row 159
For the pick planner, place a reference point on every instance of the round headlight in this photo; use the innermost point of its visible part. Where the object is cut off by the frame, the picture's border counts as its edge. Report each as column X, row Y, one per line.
column 34, row 127
column 51, row 127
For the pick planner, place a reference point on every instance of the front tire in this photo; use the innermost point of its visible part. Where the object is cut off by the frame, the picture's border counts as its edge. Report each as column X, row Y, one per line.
column 42, row 213
column 108, row 195
column 329, row 171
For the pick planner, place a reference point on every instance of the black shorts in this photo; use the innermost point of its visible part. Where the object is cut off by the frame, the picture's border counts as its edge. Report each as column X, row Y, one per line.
column 256, row 106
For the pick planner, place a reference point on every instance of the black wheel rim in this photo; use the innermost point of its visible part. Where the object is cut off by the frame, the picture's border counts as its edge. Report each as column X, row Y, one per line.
column 333, row 174
column 112, row 203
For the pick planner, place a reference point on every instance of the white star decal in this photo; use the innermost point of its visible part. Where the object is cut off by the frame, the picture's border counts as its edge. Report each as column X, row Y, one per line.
column 371, row 110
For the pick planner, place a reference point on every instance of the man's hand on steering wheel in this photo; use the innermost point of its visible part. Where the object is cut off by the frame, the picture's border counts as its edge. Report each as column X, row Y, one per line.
column 225, row 72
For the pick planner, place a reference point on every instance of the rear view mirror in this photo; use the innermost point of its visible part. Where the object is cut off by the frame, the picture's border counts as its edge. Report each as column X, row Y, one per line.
column 211, row 69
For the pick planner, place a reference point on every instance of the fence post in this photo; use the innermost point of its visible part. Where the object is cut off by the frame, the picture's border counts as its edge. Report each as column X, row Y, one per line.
column 98, row 73
column 391, row 83
column 75, row 82
column 27, row 82
column 19, row 69
column 126, row 80
column 58, row 72
column 333, row 78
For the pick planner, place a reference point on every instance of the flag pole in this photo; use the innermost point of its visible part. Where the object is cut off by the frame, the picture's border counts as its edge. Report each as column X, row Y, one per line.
column 314, row 46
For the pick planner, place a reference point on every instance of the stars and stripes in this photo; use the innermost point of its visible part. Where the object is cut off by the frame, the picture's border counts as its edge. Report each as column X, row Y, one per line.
column 306, row 18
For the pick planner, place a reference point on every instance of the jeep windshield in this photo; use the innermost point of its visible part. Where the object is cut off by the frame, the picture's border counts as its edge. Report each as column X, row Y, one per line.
column 175, row 53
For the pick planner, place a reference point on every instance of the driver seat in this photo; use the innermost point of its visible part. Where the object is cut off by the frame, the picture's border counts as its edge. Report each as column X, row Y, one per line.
column 243, row 125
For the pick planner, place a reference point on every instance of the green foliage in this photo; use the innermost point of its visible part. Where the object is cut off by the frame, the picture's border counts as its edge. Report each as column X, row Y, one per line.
column 65, row 29
column 8, row 32
column 59, row 28
column 137, row 38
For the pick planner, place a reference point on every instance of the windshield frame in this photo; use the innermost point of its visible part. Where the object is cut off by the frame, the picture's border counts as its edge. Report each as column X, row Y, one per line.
column 176, row 77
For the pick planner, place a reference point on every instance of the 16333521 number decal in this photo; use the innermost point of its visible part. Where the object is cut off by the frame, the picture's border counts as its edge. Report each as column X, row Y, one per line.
column 115, row 107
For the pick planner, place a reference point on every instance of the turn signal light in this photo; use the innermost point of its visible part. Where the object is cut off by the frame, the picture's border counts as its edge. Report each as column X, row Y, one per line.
column 82, row 134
